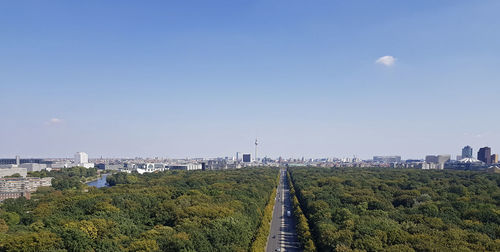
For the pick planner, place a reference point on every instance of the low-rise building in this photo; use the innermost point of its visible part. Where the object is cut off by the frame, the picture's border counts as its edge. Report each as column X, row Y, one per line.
column 17, row 187
column 18, row 161
column 218, row 164
column 23, row 184
column 113, row 167
column 187, row 167
column 31, row 167
column 150, row 167
column 470, row 164
column 11, row 170
column 14, row 195
column 59, row 165
column 387, row 159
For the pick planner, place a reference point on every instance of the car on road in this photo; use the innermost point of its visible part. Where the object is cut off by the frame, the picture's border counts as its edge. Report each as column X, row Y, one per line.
column 288, row 213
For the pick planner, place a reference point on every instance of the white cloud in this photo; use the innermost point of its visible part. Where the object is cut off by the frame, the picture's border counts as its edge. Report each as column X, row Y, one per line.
column 54, row 121
column 386, row 60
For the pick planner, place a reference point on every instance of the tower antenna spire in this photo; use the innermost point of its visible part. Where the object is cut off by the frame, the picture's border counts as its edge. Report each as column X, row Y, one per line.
column 256, row 143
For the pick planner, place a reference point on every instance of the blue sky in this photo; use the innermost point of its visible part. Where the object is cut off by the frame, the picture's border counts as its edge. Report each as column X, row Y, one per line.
column 204, row 78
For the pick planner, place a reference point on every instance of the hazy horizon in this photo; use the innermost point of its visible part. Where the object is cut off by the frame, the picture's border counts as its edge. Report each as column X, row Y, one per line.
column 205, row 78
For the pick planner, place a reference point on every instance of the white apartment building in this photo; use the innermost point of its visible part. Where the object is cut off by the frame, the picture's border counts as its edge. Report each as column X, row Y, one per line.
column 82, row 159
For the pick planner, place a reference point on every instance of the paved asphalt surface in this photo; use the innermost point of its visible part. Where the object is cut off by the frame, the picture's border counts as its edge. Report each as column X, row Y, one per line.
column 282, row 236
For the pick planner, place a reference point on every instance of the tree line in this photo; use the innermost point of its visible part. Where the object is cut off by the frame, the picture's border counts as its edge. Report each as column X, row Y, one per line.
column 165, row 211
column 376, row 209
column 302, row 226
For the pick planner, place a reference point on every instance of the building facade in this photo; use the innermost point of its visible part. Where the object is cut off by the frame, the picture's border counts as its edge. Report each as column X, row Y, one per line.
column 494, row 158
column 14, row 195
column 247, row 158
column 484, row 154
column 82, row 159
column 186, row 167
column 435, row 161
column 9, row 171
column 29, row 184
column 467, row 152
column 18, row 161
column 387, row 159
column 11, row 188
column 31, row 167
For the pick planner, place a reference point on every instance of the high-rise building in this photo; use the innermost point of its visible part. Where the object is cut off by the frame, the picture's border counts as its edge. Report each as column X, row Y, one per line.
column 256, row 143
column 81, row 158
column 494, row 158
column 484, row 154
column 247, row 158
column 467, row 152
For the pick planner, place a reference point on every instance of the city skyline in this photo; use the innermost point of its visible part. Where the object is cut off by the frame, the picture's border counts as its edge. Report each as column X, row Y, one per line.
column 471, row 153
column 329, row 79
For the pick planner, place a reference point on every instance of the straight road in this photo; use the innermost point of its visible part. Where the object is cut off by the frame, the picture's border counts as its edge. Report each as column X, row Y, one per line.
column 282, row 235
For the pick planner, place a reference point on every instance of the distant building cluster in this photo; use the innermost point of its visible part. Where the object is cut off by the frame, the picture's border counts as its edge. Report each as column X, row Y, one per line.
column 485, row 161
column 159, row 167
column 15, row 183
column 21, row 166
column 13, row 180
column 146, row 166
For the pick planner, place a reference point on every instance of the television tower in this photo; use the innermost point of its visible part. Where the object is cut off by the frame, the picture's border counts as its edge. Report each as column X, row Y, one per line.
column 256, row 143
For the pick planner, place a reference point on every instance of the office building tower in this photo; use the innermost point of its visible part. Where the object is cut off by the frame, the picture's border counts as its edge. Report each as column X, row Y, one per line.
column 81, row 158
column 494, row 158
column 484, row 154
column 256, row 143
column 247, row 158
column 467, row 152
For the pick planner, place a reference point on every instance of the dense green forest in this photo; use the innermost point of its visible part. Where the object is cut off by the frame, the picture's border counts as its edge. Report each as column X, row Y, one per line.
column 400, row 210
column 167, row 211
